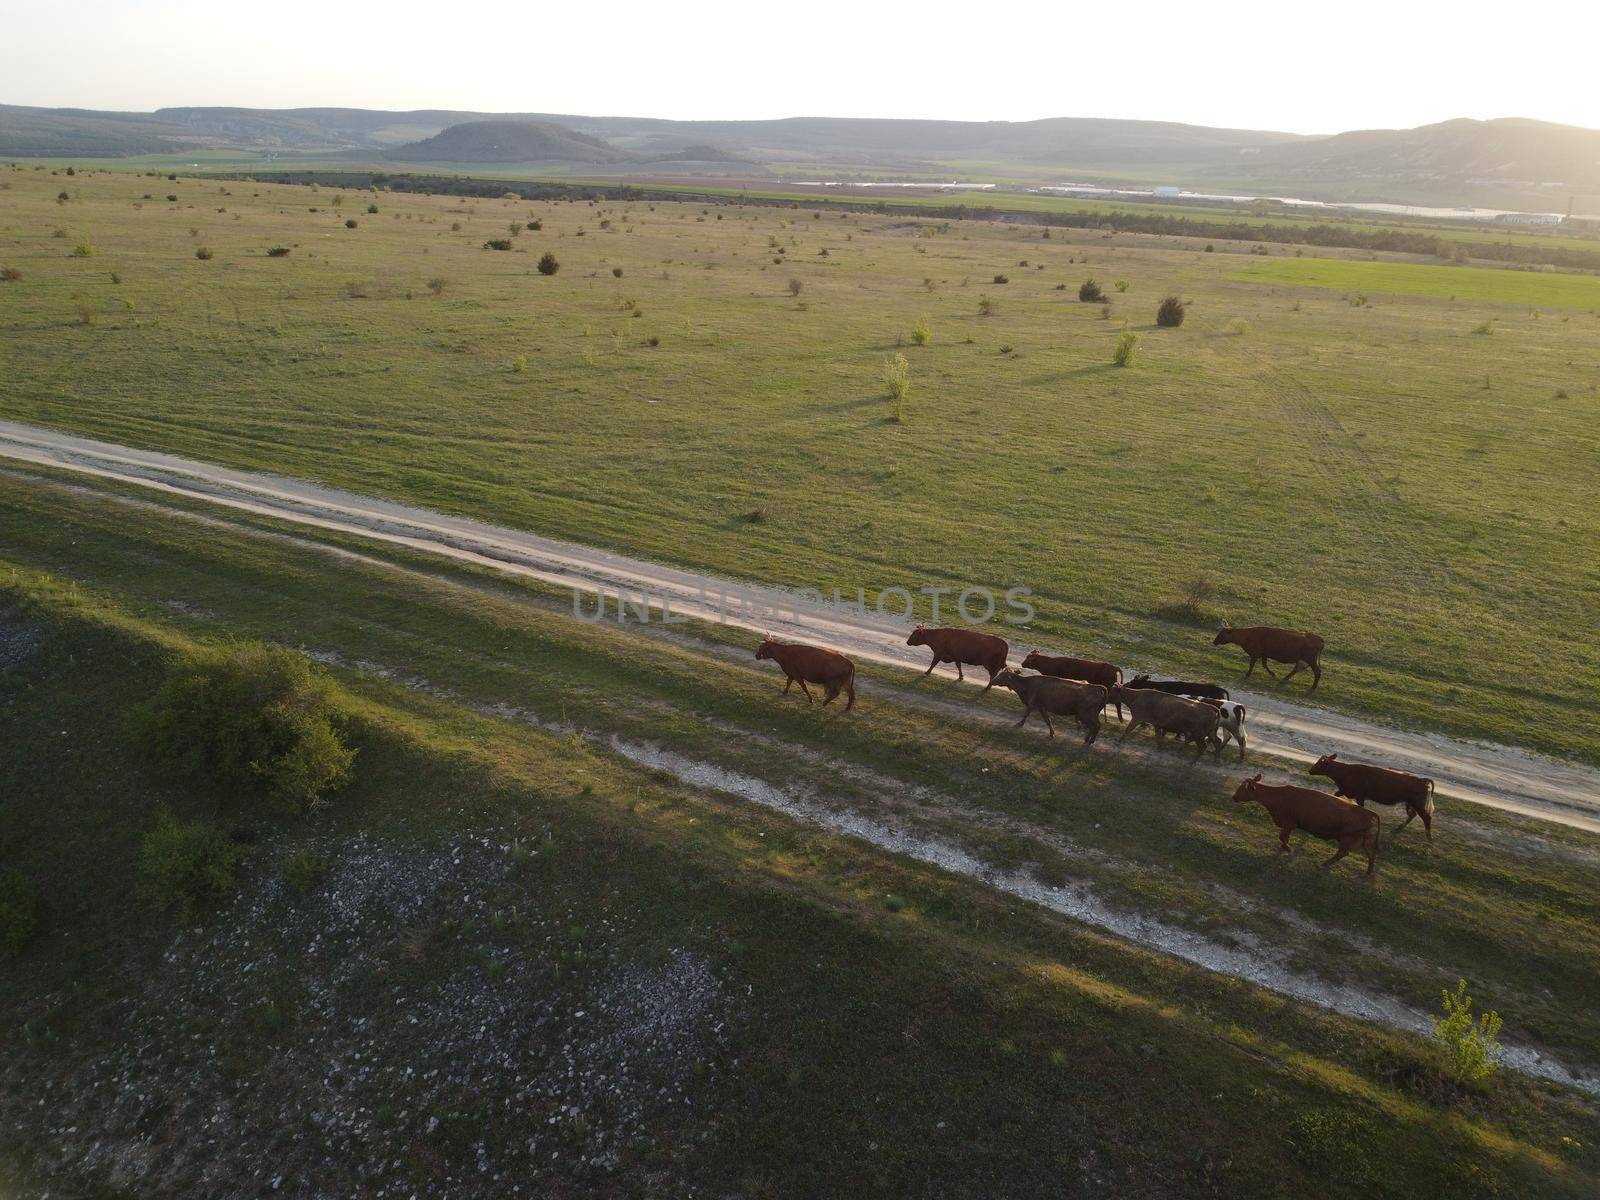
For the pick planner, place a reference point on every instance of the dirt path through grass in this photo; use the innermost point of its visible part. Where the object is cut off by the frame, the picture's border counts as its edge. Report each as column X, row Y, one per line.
column 1502, row 777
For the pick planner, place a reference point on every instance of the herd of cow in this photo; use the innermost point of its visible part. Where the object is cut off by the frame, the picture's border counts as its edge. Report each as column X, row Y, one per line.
column 1194, row 712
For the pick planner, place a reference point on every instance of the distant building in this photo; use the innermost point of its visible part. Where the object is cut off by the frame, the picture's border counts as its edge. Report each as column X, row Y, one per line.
column 1528, row 219
column 1166, row 191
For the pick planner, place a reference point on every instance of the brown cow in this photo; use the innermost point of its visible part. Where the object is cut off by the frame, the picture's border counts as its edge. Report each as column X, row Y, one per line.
column 1044, row 694
column 1089, row 670
column 1321, row 815
column 1382, row 785
column 812, row 664
column 959, row 646
column 1272, row 645
column 1193, row 720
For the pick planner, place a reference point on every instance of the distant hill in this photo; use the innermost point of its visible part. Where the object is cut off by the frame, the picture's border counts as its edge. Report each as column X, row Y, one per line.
column 1509, row 150
column 508, row 141
column 1459, row 158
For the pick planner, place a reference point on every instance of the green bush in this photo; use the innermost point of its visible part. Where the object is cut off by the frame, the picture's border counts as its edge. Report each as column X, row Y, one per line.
column 497, row 244
column 19, row 912
column 1090, row 291
column 548, row 264
column 1171, row 313
column 1469, row 1045
column 184, row 865
column 304, row 871
column 84, row 249
column 921, row 332
column 250, row 720
column 203, row 253
column 278, row 252
column 351, row 223
column 1126, row 351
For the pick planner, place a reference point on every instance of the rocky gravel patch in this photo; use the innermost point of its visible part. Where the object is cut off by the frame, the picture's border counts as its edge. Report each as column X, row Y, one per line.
column 418, row 1022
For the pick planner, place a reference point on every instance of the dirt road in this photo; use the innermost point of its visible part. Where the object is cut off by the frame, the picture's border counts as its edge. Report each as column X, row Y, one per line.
column 1500, row 777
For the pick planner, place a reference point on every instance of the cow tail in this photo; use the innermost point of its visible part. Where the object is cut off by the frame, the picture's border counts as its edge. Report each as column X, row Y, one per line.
column 850, row 688
column 1430, row 798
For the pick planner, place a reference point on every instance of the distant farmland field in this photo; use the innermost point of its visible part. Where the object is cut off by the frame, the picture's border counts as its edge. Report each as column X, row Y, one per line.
column 1424, row 279
column 703, row 384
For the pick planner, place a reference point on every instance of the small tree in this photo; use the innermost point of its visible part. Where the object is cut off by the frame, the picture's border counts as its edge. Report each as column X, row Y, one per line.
column 1126, row 351
column 351, row 223
column 1171, row 312
column 548, row 264
column 897, row 377
column 921, row 332
column 203, row 253
column 1470, row 1046
column 795, row 287
column 1090, row 291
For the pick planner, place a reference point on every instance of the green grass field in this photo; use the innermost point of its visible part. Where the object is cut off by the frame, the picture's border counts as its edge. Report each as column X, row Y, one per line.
column 886, row 1029
column 1415, row 279
column 1420, row 495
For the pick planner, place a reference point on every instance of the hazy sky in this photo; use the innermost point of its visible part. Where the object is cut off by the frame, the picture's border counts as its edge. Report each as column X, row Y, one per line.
column 1288, row 64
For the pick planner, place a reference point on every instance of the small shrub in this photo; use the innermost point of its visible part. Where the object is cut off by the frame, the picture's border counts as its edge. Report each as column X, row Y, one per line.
column 986, row 306
column 921, row 332
column 304, row 871
column 62, row 198
column 535, row 226
column 10, row 274
column 1470, row 1046
column 1238, row 327
column 520, row 363
column 184, row 865
column 1121, row 285
column 1090, row 291
column 897, row 377
column 616, row 272
column 172, row 199
column 85, row 315
column 1484, row 330
column 19, row 912
column 278, row 252
column 372, row 208
column 436, row 285
column 351, row 223
column 795, row 287
column 248, row 719
column 83, row 249
column 203, row 253
column 455, row 226
column 1171, row 312
column 1001, row 279
column 653, row 340
column 1210, row 249
column 1127, row 349
column 548, row 264
column 497, row 244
